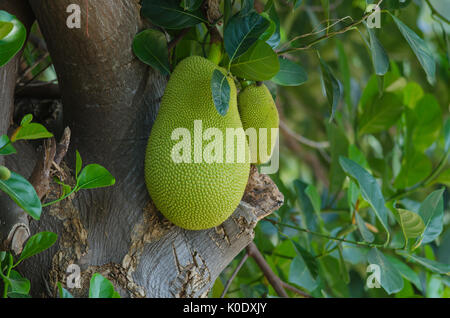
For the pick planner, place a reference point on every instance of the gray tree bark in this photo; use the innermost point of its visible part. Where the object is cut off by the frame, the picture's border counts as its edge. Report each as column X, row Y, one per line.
column 110, row 101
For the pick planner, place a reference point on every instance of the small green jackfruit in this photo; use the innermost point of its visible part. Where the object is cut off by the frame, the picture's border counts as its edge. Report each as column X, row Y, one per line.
column 195, row 189
column 5, row 173
column 258, row 110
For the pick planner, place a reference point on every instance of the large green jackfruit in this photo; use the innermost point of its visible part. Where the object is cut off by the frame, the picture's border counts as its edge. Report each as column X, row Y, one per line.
column 258, row 110
column 195, row 194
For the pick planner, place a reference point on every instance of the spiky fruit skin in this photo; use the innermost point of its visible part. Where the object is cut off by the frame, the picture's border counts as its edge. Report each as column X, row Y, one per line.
column 194, row 196
column 258, row 110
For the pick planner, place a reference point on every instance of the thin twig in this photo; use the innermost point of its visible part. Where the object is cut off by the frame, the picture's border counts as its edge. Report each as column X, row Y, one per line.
column 436, row 13
column 295, row 290
column 273, row 279
column 236, row 271
column 304, row 140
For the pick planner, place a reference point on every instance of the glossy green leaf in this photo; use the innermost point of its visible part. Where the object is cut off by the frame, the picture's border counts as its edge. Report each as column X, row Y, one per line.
column 242, row 32
column 420, row 48
column 300, row 275
column 345, row 73
column 432, row 212
column 433, row 266
column 168, row 14
column 100, row 287
column 275, row 39
column 380, row 58
column 6, row 148
column 380, row 114
column 150, row 46
column 23, row 193
column 412, row 93
column 290, row 74
column 31, row 131
column 363, row 230
column 332, row 87
column 411, row 223
column 95, row 176
column 220, row 89
column 259, row 63
column 37, row 244
column 314, row 197
column 10, row 43
column 63, row 293
column 18, row 284
column 338, row 147
column 305, row 205
column 390, row 278
column 370, row 190
column 78, row 163
column 26, row 120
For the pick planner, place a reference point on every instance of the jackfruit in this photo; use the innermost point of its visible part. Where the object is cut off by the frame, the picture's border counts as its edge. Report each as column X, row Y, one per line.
column 5, row 174
column 195, row 189
column 258, row 110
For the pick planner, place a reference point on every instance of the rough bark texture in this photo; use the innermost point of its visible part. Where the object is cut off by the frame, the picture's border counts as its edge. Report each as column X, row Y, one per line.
column 110, row 100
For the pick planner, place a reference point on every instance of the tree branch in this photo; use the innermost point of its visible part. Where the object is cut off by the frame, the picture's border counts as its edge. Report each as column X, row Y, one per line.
column 235, row 272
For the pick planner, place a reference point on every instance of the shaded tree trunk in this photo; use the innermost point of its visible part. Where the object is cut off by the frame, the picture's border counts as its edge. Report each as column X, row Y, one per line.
column 110, row 100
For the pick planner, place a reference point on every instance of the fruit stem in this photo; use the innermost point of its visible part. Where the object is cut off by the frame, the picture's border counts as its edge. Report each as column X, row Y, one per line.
column 215, row 50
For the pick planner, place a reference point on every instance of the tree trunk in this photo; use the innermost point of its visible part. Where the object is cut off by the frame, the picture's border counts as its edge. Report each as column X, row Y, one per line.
column 110, row 100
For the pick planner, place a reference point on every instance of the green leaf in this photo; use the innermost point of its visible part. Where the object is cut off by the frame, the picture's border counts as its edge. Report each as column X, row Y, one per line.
column 37, row 244
column 168, row 14
column 447, row 135
column 314, row 197
column 191, row 5
column 412, row 93
column 63, row 293
column 363, row 230
column 10, row 43
column 23, row 193
column 345, row 73
column 26, row 120
column 275, row 39
column 420, row 48
column 95, row 176
column 370, row 190
column 242, row 32
column 18, row 284
column 433, row 266
column 432, row 212
column 100, row 287
column 300, row 275
column 305, row 205
column 259, row 63
column 290, row 74
column 411, row 223
column 379, row 57
column 380, row 114
column 150, row 46
column 444, row 178
column 332, row 87
column 309, row 259
column 415, row 168
column 31, row 131
column 390, row 278
column 405, row 271
column 220, row 89
column 78, row 164
column 6, row 148
column 338, row 147
column 424, row 123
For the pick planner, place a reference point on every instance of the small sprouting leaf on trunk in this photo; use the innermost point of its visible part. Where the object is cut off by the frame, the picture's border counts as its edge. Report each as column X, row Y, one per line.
column 433, row 266
column 370, row 190
column 12, row 36
column 432, row 212
column 290, row 74
column 6, row 148
column 30, row 132
column 420, row 49
column 37, row 244
column 332, row 87
column 18, row 284
column 150, row 46
column 380, row 58
column 389, row 276
column 242, row 32
column 23, row 193
column 78, row 164
column 26, row 120
column 191, row 5
column 259, row 63
column 63, row 293
column 100, row 287
column 168, row 14
column 220, row 89
column 411, row 223
column 95, row 176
